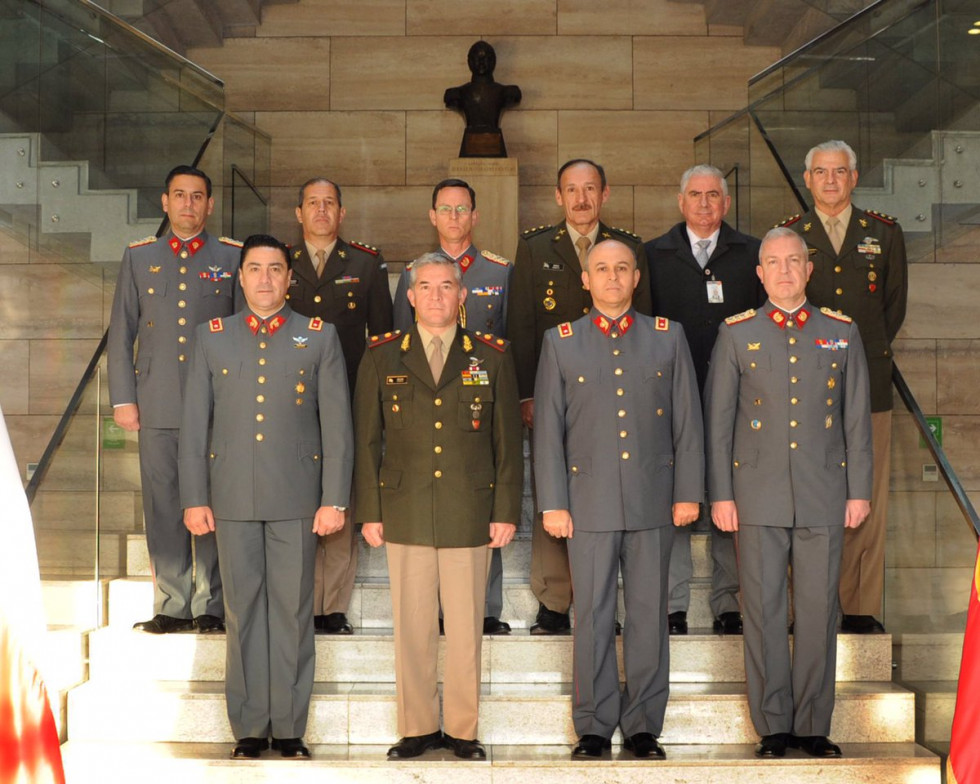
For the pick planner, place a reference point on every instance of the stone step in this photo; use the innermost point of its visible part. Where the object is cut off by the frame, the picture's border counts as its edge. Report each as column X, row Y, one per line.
column 63, row 664
column 513, row 714
column 935, row 702
column 72, row 602
column 208, row 763
column 119, row 653
column 131, row 600
column 928, row 657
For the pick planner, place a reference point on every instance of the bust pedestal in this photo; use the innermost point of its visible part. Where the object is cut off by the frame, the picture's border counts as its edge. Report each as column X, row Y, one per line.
column 496, row 184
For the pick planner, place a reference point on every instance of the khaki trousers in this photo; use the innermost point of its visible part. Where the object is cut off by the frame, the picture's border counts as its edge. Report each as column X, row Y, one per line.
column 336, row 567
column 862, row 574
column 420, row 577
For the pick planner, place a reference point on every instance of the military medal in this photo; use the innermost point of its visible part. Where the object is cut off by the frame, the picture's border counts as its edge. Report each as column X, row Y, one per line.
column 756, row 424
column 300, row 388
column 474, row 375
column 831, row 382
column 476, row 408
column 549, row 303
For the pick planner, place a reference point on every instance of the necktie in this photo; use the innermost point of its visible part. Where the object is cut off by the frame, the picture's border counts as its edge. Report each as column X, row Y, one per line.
column 701, row 252
column 436, row 360
column 834, row 232
column 320, row 262
column 582, row 243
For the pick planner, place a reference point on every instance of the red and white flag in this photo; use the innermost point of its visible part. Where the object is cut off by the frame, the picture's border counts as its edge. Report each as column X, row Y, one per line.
column 29, row 748
column 963, row 766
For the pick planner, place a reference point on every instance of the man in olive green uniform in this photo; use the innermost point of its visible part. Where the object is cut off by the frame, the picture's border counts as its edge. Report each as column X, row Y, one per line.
column 859, row 268
column 345, row 284
column 447, row 485
column 547, row 290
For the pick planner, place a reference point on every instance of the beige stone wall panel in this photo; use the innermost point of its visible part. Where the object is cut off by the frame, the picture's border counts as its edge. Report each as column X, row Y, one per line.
column 956, row 542
column 630, row 17
column 489, row 17
column 917, row 361
column 14, row 359
column 911, row 533
column 48, row 301
column 55, row 369
column 942, row 301
column 958, row 376
column 329, row 17
column 656, row 209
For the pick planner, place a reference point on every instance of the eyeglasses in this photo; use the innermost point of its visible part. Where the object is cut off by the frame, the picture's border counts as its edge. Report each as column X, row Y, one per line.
column 459, row 209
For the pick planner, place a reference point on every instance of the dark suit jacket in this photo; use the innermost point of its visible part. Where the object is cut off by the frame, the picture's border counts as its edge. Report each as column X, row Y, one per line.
column 679, row 286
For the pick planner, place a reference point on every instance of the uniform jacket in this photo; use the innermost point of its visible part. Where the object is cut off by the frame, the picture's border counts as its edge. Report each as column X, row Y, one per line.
column 788, row 441
column 679, row 288
column 453, row 459
column 282, row 441
column 161, row 296
column 352, row 294
column 868, row 281
column 548, row 291
column 486, row 277
column 618, row 436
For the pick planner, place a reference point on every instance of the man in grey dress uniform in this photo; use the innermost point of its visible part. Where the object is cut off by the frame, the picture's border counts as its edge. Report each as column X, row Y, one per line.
column 487, row 279
column 278, row 465
column 619, row 460
column 166, row 287
column 346, row 284
column 701, row 272
column 788, row 415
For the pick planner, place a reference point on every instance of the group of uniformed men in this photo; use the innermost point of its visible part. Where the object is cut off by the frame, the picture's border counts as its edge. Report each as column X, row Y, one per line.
column 269, row 426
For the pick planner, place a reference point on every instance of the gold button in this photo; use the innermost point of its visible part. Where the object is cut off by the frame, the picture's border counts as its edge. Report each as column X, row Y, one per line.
column 792, row 341
column 350, row 293
column 625, row 455
column 752, row 365
column 438, row 425
column 182, row 286
column 181, row 358
column 618, row 371
column 261, row 360
column 735, row 464
column 438, row 450
column 259, row 437
column 549, row 292
column 793, row 360
column 315, row 458
column 212, row 455
column 659, row 374
column 830, row 401
column 224, row 371
column 660, row 412
column 585, row 311
column 438, row 401
column 181, row 304
column 183, row 254
column 833, row 365
column 581, row 379
column 260, row 398
column 261, row 379
column 794, row 400
column 551, row 283
column 623, row 434
column 621, row 413
column 182, row 339
column 616, row 352
column 437, row 474
column 260, row 417
column 183, row 270
column 476, row 399
column 837, row 268
column 793, row 423
column 839, row 291
column 263, row 330
column 318, row 298
column 262, row 344
column 843, row 464
column 620, row 392
column 792, row 445
column 182, row 321
column 394, row 397
column 299, row 401
column 150, row 290
column 574, row 469
column 793, row 379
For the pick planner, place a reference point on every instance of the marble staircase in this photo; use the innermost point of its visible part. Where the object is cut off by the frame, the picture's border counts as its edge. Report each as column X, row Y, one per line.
column 156, row 705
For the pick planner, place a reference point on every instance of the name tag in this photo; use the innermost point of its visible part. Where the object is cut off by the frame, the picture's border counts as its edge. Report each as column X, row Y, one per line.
column 393, row 380
column 556, row 266
column 715, row 294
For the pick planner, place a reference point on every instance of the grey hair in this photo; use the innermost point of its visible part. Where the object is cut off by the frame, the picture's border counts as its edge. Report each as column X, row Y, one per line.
column 433, row 258
column 834, row 145
column 779, row 233
column 704, row 170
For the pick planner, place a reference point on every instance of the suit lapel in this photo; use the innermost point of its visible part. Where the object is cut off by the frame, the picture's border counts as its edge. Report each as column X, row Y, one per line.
column 855, row 232
column 335, row 262
column 414, row 360
column 303, row 265
column 565, row 249
column 456, row 362
column 817, row 236
column 684, row 251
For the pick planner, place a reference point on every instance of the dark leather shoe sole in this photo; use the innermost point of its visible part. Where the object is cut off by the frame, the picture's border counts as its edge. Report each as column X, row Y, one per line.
column 209, row 624
column 591, row 747
column 815, row 746
column 249, row 748
column 493, row 625
column 772, row 746
column 415, row 746
column 677, row 623
column 336, row 623
column 465, row 749
column 728, row 623
column 645, row 746
column 861, row 624
column 291, row 748
column 164, row 624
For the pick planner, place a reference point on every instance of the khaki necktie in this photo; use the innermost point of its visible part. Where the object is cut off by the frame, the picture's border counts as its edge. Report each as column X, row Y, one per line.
column 436, row 360
column 320, row 260
column 834, row 232
column 582, row 243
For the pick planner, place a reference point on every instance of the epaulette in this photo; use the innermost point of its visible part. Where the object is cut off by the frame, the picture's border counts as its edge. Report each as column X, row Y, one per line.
column 229, row 241
column 144, row 241
column 316, row 324
column 532, row 232
column 366, row 248
column 379, row 340
column 495, row 258
column 788, row 221
column 661, row 323
column 216, row 325
column 888, row 220
column 836, row 315
column 565, row 329
column 745, row 315
column 624, row 232
column 498, row 343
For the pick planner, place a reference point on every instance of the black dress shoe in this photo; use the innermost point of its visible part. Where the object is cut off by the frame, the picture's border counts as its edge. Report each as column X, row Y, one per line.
column 551, row 622
column 590, row 747
column 209, row 624
column 677, row 622
column 493, row 625
column 645, row 746
column 164, row 624
column 465, row 749
column 728, row 623
column 815, row 745
column 249, row 748
column 336, row 623
column 291, row 748
column 772, row 745
column 415, row 745
column 861, row 624
column 619, row 629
